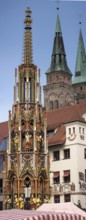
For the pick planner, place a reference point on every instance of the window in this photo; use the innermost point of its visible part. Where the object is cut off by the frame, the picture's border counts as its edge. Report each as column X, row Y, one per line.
column 83, row 130
column 85, row 175
column 67, row 154
column 50, row 133
column 56, row 105
column 85, row 153
column 51, row 105
column 66, row 176
column 1, row 186
column 50, row 78
column 73, row 130
column 67, row 198
column 78, row 73
column 27, row 89
column 81, row 176
column 27, row 184
column 56, row 155
column 56, row 177
column 79, row 130
column 82, row 137
column 1, row 163
column 1, row 205
column 69, row 130
column 57, row 199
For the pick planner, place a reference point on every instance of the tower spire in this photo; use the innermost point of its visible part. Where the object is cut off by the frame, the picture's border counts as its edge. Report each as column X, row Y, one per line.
column 58, row 58
column 80, row 69
column 28, row 38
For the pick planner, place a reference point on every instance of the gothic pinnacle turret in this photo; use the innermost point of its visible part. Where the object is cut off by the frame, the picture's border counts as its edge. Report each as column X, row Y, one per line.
column 27, row 88
column 27, row 170
column 28, row 38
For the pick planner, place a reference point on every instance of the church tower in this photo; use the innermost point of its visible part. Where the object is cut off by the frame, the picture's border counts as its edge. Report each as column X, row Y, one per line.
column 27, row 169
column 79, row 81
column 58, row 91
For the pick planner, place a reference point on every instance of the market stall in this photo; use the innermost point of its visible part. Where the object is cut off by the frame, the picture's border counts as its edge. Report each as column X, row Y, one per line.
column 66, row 208
column 16, row 214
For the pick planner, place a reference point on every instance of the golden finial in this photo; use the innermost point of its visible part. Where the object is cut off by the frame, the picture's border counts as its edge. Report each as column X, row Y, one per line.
column 80, row 18
column 57, row 2
column 28, row 19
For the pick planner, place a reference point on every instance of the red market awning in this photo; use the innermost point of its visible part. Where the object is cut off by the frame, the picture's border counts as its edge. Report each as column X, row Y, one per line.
column 16, row 214
column 66, row 208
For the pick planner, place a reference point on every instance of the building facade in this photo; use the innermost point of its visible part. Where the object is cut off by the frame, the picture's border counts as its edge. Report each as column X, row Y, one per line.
column 67, row 150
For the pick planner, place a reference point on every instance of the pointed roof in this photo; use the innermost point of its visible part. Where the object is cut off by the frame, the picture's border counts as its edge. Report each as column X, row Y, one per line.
column 58, row 26
column 80, row 69
column 58, row 58
column 28, row 38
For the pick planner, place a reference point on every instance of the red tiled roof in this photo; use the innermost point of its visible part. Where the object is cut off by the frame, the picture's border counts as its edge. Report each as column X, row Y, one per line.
column 65, row 115
column 59, row 137
column 3, row 130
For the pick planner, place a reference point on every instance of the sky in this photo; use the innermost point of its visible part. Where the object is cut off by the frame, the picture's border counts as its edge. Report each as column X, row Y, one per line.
column 44, row 14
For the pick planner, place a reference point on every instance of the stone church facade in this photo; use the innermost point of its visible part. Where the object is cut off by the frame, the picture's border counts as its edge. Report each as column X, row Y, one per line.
column 60, row 89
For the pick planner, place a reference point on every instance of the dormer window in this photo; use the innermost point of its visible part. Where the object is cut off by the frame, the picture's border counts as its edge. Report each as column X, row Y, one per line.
column 50, row 133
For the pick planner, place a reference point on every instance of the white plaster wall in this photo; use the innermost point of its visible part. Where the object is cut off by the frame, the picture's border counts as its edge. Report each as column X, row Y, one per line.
column 75, row 164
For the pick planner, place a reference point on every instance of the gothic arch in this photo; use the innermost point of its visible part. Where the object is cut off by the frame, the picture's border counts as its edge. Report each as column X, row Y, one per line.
column 51, row 104
column 56, row 104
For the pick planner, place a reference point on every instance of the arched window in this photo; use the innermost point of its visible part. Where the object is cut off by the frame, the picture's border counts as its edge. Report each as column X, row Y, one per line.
column 27, row 89
column 56, row 104
column 27, row 184
column 51, row 105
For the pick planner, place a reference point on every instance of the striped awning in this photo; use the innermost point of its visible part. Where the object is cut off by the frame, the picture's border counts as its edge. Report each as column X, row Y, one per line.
column 15, row 214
